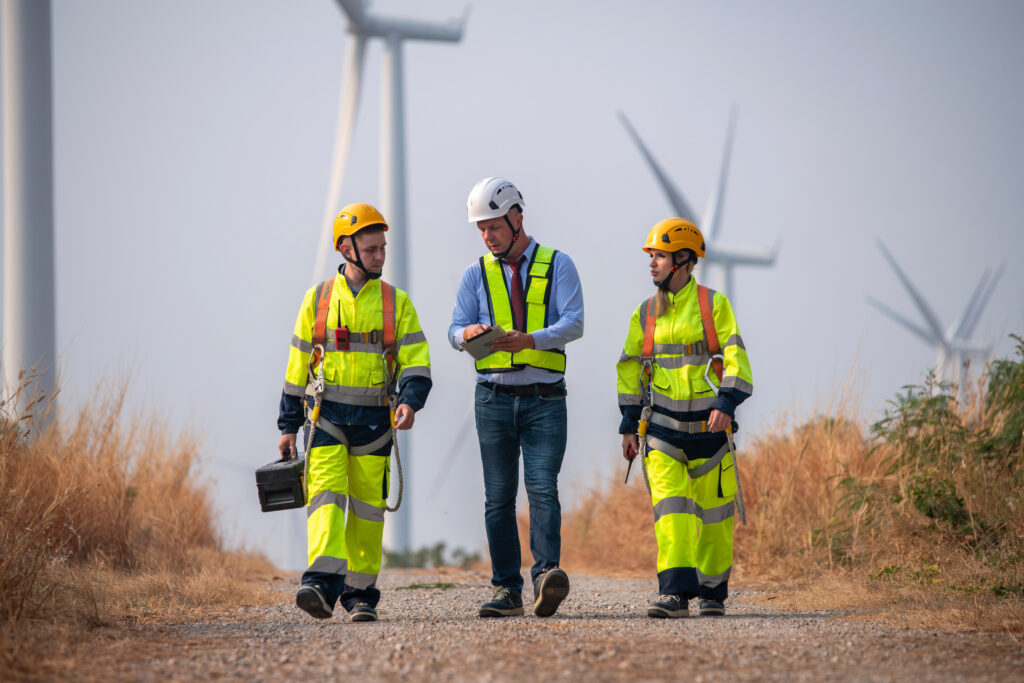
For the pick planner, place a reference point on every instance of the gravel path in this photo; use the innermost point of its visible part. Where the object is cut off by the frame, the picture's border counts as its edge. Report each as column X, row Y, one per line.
column 601, row 632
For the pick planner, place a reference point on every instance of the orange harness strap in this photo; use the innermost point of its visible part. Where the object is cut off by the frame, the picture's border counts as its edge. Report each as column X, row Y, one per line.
column 320, row 326
column 647, row 351
column 387, row 293
column 710, row 334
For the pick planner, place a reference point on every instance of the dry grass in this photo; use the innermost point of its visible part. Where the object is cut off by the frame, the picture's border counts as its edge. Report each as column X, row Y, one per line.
column 104, row 521
column 918, row 518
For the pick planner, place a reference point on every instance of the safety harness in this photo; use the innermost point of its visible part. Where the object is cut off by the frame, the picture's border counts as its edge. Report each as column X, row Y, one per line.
column 647, row 414
column 315, row 378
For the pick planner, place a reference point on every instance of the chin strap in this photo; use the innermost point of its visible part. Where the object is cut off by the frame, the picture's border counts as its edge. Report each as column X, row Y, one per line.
column 676, row 265
column 515, row 238
column 358, row 261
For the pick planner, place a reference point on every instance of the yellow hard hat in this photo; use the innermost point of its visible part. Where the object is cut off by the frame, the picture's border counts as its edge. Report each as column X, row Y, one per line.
column 673, row 234
column 356, row 217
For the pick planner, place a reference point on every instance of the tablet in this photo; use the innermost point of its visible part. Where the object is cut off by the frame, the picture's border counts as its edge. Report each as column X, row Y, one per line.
column 479, row 346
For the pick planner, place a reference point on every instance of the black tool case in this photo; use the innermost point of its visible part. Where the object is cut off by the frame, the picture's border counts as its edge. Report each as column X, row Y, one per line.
column 279, row 484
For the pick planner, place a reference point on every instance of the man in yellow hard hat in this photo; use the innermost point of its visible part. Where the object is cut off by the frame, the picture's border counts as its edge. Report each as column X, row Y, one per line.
column 533, row 293
column 357, row 345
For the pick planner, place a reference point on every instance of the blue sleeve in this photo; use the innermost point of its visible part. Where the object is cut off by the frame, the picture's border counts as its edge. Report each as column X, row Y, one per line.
column 630, row 419
column 290, row 416
column 414, row 390
column 567, row 301
column 467, row 304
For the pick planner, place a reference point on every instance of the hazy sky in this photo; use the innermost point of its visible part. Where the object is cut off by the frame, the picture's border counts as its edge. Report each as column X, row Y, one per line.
column 193, row 143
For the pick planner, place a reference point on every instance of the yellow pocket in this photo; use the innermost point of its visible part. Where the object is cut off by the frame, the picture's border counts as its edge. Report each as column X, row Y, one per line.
column 727, row 477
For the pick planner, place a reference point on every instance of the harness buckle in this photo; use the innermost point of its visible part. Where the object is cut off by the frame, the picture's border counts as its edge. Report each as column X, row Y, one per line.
column 341, row 338
column 708, row 368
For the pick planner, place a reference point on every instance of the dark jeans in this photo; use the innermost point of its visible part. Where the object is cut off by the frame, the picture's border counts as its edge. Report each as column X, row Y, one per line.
column 536, row 424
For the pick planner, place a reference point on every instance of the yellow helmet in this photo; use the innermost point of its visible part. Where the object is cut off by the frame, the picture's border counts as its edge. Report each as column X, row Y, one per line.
column 673, row 234
column 356, row 217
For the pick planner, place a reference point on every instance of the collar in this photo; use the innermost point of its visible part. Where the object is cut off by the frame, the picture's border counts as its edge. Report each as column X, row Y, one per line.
column 688, row 290
column 531, row 248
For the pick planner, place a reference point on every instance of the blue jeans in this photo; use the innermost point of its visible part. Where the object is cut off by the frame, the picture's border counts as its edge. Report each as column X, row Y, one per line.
column 536, row 424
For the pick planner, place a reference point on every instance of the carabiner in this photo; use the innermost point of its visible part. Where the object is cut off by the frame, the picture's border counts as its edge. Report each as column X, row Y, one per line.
column 708, row 368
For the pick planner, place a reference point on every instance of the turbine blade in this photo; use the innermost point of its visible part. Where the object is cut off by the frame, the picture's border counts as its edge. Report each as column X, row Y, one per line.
column 355, row 10
column 979, row 308
column 675, row 198
column 713, row 214
column 728, row 254
column 922, row 305
column 896, row 317
column 956, row 330
column 348, row 107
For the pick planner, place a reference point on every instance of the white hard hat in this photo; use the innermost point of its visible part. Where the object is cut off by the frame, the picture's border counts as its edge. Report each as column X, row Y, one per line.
column 492, row 198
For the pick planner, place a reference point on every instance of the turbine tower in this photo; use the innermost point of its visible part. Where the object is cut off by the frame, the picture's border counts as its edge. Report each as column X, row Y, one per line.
column 363, row 25
column 721, row 258
column 29, row 339
column 953, row 347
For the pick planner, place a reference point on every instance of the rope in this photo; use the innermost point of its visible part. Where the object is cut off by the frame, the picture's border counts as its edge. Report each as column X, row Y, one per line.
column 392, row 404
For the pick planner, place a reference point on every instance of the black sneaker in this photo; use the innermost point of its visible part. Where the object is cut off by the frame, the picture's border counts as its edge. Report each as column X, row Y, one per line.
column 363, row 612
column 711, row 608
column 549, row 589
column 310, row 599
column 668, row 607
column 504, row 603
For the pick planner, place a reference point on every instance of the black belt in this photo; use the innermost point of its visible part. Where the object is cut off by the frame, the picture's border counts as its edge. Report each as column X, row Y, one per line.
column 555, row 389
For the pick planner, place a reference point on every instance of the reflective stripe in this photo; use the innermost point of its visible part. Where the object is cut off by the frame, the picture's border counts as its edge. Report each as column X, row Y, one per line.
column 685, row 405
column 623, row 358
column 356, row 396
column 325, row 498
column 294, row 389
column 629, row 399
column 732, row 382
column 365, row 510
column 735, row 340
column 698, row 427
column 360, row 580
column 716, row 514
column 411, row 338
column 676, row 362
column 301, row 344
column 710, row 581
column 329, row 565
column 697, row 348
column 415, row 371
column 674, row 505
column 711, row 463
column 331, row 343
column 332, row 429
column 666, row 448
column 370, row 448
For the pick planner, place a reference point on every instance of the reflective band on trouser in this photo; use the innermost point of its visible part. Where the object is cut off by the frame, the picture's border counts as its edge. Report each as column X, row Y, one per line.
column 327, row 484
column 693, row 524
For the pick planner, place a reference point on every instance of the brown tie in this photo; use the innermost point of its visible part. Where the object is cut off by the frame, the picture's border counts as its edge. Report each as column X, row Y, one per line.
column 516, row 295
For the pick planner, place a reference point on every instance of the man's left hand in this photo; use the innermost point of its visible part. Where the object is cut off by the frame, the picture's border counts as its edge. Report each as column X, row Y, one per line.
column 513, row 342
column 404, row 417
column 718, row 421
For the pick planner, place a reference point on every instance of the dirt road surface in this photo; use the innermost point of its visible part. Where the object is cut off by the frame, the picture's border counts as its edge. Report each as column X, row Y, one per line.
column 601, row 632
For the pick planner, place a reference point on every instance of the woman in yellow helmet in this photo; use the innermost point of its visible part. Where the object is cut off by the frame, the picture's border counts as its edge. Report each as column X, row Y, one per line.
column 677, row 404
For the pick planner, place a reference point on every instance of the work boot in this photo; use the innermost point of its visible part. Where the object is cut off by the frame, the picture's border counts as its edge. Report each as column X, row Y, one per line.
column 711, row 608
column 504, row 603
column 549, row 589
column 310, row 599
column 363, row 612
column 668, row 607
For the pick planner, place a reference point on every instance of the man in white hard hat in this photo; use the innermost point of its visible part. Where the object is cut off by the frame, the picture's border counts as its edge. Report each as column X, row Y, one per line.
column 533, row 293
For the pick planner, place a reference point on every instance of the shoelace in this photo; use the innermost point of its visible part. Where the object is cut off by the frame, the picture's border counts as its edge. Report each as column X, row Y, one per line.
column 501, row 593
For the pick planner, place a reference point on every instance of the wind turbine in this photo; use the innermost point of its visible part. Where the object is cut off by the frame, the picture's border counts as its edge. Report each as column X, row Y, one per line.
column 721, row 258
column 954, row 346
column 29, row 344
column 362, row 26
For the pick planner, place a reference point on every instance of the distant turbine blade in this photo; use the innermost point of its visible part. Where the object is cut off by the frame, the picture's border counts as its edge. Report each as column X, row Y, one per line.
column 713, row 214
column 355, row 10
column 675, row 198
column 979, row 308
column 956, row 330
column 896, row 317
column 922, row 305
column 348, row 107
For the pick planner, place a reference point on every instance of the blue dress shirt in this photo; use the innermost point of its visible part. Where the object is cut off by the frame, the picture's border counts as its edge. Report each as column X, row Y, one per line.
column 565, row 314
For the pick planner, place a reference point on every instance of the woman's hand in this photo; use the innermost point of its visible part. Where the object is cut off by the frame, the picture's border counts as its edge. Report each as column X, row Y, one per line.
column 630, row 446
column 718, row 421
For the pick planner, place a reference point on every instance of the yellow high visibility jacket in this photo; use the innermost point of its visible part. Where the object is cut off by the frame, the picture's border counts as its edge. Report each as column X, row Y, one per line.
column 356, row 376
column 678, row 383
column 538, row 292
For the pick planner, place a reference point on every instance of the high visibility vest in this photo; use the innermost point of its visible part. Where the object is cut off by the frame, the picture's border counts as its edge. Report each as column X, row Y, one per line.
column 538, row 293
column 354, row 339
